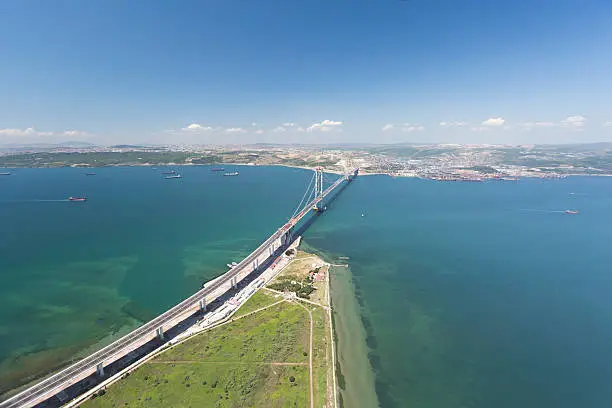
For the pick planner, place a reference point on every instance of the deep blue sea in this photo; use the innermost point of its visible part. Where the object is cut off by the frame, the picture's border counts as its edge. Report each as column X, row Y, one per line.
column 471, row 294
column 480, row 294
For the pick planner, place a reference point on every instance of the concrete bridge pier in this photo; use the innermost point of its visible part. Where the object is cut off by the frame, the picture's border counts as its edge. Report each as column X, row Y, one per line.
column 203, row 305
column 100, row 369
column 160, row 333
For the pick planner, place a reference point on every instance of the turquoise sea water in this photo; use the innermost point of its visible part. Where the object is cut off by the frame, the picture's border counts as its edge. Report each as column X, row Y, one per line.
column 471, row 295
column 73, row 274
column 480, row 294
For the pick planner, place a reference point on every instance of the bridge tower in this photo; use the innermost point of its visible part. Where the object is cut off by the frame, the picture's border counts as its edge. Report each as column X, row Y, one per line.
column 318, row 189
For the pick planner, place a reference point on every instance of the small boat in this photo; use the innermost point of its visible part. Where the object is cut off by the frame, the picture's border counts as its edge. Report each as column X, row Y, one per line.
column 168, row 172
column 90, row 174
column 77, row 198
column 235, row 173
column 217, row 169
column 173, row 177
column 571, row 211
column 5, row 174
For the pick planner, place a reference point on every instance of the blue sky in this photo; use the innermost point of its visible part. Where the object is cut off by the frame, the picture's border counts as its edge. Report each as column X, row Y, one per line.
column 226, row 71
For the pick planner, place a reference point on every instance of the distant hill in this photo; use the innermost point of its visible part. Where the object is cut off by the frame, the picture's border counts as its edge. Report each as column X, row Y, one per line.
column 47, row 146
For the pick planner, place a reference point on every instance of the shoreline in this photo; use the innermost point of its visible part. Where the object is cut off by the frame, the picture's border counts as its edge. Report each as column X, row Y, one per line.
column 354, row 372
column 329, row 171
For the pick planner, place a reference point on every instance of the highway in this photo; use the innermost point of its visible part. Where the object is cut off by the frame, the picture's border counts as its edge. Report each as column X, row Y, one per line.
column 85, row 367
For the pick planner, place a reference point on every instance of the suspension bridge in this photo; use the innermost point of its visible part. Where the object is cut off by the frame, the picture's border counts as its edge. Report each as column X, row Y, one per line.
column 51, row 390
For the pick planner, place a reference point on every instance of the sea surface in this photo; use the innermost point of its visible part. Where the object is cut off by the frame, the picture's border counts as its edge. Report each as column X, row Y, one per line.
column 473, row 294
column 456, row 295
column 76, row 275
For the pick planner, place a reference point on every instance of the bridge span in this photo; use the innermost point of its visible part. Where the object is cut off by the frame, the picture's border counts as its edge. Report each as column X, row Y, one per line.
column 96, row 362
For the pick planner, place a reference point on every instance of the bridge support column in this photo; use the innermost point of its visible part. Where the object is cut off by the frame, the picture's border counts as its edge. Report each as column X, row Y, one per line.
column 160, row 333
column 234, row 282
column 203, row 305
column 100, row 369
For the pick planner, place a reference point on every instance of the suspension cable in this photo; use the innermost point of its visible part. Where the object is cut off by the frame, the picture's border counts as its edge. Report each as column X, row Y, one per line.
column 308, row 190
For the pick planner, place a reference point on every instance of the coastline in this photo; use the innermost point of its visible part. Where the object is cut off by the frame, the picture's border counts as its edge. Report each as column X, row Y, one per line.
column 325, row 170
column 355, row 375
column 190, row 334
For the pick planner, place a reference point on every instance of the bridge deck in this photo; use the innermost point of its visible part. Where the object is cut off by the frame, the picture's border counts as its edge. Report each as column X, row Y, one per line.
column 87, row 366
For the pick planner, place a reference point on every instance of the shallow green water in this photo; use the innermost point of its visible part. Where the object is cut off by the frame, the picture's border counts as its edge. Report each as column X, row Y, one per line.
column 75, row 275
column 479, row 295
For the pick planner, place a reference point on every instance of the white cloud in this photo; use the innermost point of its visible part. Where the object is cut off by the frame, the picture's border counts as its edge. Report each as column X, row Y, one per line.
column 481, row 129
column 453, row 124
column 608, row 124
column 289, row 124
column 75, row 133
column 254, row 124
column 325, row 126
column 24, row 132
column 235, row 130
column 196, row 128
column 301, row 129
column 494, row 122
column 259, row 132
column 33, row 133
column 388, row 126
column 532, row 125
column 575, row 122
column 410, row 127
column 279, row 129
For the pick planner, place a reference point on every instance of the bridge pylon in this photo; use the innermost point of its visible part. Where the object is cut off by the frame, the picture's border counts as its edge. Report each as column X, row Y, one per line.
column 318, row 189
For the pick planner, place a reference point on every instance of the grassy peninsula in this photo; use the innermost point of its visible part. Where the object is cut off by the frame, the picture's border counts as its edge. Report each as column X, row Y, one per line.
column 276, row 351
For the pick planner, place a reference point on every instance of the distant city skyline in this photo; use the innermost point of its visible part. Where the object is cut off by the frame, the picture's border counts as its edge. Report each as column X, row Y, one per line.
column 190, row 72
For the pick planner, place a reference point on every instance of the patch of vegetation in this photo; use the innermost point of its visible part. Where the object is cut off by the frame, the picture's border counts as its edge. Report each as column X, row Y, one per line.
column 483, row 169
column 301, row 288
column 257, row 301
column 92, row 159
column 229, row 366
column 320, row 350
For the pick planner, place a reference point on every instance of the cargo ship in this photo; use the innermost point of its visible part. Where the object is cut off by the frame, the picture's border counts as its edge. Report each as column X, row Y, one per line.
column 173, row 177
column 90, row 174
column 571, row 211
column 5, row 174
column 77, row 198
column 168, row 172
column 217, row 169
column 235, row 173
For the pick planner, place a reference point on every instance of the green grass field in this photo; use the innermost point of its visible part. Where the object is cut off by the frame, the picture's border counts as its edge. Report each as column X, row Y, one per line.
column 258, row 300
column 259, row 360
